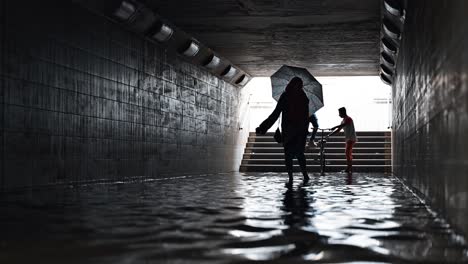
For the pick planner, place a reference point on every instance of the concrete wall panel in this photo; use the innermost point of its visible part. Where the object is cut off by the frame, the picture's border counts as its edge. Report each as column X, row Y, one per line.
column 84, row 99
column 431, row 105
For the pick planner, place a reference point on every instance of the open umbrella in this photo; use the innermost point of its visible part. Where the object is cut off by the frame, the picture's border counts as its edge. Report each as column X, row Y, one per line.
column 312, row 88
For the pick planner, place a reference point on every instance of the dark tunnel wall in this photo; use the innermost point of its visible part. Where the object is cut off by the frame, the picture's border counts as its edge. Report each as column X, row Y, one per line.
column 431, row 105
column 84, row 100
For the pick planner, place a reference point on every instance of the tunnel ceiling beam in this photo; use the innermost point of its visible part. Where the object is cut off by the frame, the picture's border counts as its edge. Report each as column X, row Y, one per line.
column 333, row 37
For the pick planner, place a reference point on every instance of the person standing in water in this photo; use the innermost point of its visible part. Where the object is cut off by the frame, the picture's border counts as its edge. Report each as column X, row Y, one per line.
column 347, row 124
column 293, row 104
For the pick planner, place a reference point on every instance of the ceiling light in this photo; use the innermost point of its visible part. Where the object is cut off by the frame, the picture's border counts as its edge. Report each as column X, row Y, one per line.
column 242, row 80
column 125, row 11
column 191, row 50
column 163, row 34
column 390, row 29
column 393, row 7
column 385, row 79
column 389, row 46
column 387, row 60
column 212, row 62
column 229, row 72
column 386, row 70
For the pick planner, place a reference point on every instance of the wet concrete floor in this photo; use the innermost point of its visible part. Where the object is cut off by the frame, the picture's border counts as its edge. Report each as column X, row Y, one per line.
column 227, row 218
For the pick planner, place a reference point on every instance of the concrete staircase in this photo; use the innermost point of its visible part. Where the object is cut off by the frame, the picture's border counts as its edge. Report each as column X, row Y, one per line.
column 372, row 153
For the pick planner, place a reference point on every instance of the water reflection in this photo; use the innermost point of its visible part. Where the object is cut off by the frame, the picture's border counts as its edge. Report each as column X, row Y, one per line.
column 296, row 205
column 349, row 178
column 226, row 218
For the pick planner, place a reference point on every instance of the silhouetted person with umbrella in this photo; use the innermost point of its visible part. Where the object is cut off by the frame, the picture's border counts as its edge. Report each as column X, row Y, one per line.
column 293, row 104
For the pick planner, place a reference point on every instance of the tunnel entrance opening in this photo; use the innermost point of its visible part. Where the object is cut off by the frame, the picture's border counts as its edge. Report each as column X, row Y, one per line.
column 368, row 102
column 367, row 99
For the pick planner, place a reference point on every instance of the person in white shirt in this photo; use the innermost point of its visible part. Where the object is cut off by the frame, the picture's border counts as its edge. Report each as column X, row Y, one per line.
column 350, row 136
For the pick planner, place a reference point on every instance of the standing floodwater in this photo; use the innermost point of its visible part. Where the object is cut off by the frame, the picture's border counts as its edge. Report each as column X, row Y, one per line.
column 226, row 218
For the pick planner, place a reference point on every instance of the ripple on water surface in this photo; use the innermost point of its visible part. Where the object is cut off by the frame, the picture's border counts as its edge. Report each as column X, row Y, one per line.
column 226, row 218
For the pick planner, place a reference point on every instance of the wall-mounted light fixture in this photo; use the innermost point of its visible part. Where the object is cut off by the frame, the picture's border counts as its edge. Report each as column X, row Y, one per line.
column 191, row 49
column 242, row 80
column 394, row 7
column 212, row 62
column 393, row 19
column 389, row 46
column 386, row 70
column 135, row 16
column 229, row 72
column 387, row 60
column 390, row 29
column 125, row 11
column 163, row 33
column 385, row 79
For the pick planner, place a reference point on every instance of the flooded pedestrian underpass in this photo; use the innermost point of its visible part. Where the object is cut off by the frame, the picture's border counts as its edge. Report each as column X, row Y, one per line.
column 227, row 218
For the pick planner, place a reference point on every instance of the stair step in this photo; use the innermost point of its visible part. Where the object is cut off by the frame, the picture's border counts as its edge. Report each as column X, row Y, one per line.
column 313, row 168
column 372, row 153
column 313, row 161
column 358, row 133
column 249, row 150
column 331, row 139
column 316, row 155
column 328, row 144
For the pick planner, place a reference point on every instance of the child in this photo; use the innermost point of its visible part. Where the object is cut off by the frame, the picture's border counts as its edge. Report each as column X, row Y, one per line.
column 350, row 136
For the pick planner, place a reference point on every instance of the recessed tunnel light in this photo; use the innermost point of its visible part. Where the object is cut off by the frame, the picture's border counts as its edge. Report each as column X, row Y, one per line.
column 242, row 80
column 125, row 10
column 164, row 33
column 390, row 29
column 394, row 7
column 389, row 45
column 385, row 79
column 191, row 50
column 212, row 62
column 387, row 60
column 229, row 72
column 386, row 70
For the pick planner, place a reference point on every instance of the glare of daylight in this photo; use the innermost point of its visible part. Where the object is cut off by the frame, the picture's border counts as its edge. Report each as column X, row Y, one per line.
column 366, row 98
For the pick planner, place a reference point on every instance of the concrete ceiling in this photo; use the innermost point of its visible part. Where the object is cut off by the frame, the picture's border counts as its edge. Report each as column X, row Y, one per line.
column 328, row 37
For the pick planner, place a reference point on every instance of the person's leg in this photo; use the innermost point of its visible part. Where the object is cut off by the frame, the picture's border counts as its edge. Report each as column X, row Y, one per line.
column 302, row 163
column 314, row 133
column 299, row 152
column 349, row 155
column 288, row 160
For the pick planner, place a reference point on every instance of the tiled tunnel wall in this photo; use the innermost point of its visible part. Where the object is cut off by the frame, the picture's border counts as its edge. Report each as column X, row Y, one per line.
column 431, row 105
column 83, row 99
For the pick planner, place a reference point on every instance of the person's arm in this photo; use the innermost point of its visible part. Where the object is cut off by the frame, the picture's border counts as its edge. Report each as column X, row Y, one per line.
column 335, row 130
column 265, row 125
column 338, row 128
